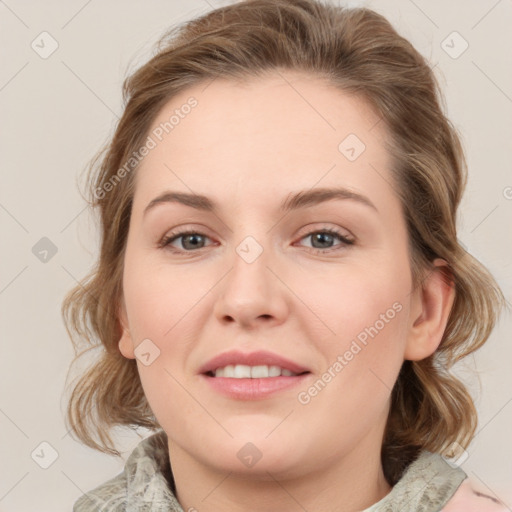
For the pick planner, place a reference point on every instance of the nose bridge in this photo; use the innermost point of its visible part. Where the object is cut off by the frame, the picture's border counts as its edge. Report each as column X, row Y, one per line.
column 250, row 273
column 251, row 290
column 252, row 239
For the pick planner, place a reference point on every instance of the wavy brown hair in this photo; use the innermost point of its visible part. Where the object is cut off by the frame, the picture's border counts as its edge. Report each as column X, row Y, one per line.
column 359, row 52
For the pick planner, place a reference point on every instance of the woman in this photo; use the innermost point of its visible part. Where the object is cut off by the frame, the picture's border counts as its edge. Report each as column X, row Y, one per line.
column 280, row 292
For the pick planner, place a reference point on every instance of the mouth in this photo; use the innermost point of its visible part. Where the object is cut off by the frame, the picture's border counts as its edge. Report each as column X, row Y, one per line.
column 253, row 376
column 242, row 371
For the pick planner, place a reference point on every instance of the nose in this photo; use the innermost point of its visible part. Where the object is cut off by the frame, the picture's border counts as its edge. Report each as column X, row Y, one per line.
column 252, row 293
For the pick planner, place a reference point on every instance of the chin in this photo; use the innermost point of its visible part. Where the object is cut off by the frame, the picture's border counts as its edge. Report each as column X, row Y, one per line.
column 252, row 453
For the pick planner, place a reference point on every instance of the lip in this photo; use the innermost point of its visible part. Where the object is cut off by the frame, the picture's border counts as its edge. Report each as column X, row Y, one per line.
column 252, row 389
column 258, row 358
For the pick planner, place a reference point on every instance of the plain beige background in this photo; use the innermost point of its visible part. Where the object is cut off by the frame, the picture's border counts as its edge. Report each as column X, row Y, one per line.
column 56, row 111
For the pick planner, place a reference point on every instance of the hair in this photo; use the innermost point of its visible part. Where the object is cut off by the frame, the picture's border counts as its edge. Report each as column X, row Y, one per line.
column 359, row 52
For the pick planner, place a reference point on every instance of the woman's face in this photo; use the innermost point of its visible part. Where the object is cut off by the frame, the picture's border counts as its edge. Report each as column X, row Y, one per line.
column 272, row 266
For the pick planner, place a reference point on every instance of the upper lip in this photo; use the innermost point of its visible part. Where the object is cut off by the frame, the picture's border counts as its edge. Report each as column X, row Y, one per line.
column 234, row 357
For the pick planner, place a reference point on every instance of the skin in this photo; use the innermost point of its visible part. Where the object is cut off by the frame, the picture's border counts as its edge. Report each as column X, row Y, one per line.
column 248, row 147
column 468, row 499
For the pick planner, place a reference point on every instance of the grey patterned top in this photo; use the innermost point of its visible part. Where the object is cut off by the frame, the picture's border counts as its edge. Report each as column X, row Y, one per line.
column 146, row 484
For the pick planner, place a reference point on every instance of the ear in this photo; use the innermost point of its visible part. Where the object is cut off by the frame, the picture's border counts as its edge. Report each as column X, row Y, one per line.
column 430, row 308
column 125, row 343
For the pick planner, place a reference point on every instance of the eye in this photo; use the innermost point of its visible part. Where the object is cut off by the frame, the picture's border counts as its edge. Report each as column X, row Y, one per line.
column 190, row 240
column 322, row 240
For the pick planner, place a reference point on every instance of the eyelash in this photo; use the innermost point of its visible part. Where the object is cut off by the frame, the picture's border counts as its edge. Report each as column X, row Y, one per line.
column 171, row 237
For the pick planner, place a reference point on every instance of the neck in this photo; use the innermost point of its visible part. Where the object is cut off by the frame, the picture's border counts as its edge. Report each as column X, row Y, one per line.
column 347, row 484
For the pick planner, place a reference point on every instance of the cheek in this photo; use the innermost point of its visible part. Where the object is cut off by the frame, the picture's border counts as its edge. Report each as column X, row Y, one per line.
column 364, row 313
column 361, row 361
column 164, row 306
column 351, row 299
column 160, row 299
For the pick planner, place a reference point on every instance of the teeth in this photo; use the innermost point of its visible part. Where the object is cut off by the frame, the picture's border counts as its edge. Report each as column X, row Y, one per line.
column 242, row 371
column 274, row 371
column 259, row 372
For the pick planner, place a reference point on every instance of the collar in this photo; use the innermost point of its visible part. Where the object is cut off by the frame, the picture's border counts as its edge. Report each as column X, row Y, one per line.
column 146, row 484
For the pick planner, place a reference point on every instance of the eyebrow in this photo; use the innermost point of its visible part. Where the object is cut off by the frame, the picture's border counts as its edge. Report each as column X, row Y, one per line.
column 298, row 200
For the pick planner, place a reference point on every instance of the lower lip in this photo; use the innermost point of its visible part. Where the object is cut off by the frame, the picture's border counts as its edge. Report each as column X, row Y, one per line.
column 253, row 389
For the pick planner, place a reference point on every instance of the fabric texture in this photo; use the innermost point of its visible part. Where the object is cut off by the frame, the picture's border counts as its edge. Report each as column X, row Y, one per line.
column 146, row 484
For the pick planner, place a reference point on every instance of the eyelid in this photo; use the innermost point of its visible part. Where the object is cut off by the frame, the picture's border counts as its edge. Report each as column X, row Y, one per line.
column 172, row 235
column 346, row 240
column 308, row 230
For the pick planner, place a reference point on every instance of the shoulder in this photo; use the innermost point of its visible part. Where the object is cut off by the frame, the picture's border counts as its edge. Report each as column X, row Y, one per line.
column 109, row 496
column 467, row 499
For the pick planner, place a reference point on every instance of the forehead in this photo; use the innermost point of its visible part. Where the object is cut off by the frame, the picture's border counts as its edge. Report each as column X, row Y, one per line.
column 284, row 128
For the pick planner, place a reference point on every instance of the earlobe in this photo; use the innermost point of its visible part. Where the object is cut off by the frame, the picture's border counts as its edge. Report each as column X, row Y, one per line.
column 430, row 310
column 125, row 342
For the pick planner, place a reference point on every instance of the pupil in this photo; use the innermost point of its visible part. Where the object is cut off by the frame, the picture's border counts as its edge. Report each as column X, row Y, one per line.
column 194, row 244
column 321, row 236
